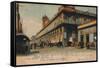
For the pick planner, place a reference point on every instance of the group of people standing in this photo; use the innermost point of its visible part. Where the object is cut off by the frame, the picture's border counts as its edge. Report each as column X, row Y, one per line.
column 60, row 44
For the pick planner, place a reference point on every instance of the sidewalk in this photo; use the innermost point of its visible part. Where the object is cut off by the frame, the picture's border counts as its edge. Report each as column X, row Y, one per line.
column 57, row 55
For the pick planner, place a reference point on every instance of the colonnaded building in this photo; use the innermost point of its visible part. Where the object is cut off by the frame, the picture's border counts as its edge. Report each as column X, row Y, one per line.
column 69, row 24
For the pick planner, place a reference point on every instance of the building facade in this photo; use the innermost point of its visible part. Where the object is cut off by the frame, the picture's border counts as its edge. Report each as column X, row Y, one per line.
column 87, row 33
column 69, row 25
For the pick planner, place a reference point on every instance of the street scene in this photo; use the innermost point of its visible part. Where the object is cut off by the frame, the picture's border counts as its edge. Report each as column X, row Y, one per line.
column 55, row 33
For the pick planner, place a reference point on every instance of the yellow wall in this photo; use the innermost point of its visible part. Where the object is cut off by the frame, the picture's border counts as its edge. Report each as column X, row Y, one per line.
column 87, row 24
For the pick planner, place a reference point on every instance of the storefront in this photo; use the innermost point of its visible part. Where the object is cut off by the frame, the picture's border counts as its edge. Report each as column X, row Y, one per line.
column 87, row 34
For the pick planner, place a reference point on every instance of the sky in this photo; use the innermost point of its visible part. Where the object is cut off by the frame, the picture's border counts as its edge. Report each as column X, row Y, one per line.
column 31, row 15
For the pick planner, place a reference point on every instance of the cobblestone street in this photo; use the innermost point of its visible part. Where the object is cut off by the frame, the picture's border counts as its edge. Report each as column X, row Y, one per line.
column 57, row 55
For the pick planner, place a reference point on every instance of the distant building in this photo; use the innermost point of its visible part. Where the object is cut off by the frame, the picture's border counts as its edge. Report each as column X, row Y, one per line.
column 33, row 40
column 18, row 20
column 69, row 24
column 45, row 21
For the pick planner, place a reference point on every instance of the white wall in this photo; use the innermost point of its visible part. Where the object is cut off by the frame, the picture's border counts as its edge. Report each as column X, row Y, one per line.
column 91, row 37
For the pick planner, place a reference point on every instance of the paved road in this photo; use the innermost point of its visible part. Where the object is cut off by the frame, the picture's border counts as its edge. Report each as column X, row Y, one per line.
column 56, row 55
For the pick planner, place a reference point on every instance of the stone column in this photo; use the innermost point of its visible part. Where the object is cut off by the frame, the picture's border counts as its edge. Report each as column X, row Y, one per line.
column 84, row 39
column 79, row 36
column 91, row 37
